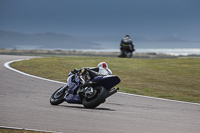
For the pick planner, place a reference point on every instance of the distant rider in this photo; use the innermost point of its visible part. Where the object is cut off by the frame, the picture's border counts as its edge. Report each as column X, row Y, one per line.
column 126, row 46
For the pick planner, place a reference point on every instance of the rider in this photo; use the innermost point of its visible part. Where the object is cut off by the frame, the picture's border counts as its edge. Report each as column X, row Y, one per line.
column 127, row 45
column 88, row 73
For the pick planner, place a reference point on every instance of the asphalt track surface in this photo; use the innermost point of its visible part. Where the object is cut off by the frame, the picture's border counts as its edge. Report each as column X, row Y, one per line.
column 24, row 103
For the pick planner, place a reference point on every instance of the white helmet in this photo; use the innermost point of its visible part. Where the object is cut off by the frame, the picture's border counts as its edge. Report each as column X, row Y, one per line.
column 103, row 69
column 103, row 65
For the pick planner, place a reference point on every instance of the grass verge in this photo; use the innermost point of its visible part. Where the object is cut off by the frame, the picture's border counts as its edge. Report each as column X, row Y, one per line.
column 177, row 79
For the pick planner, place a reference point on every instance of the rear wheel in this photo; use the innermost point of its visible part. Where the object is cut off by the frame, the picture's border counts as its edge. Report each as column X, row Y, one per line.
column 95, row 99
column 58, row 96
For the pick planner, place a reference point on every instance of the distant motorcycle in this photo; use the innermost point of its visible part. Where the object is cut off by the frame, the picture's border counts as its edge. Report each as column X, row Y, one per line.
column 125, row 52
column 90, row 94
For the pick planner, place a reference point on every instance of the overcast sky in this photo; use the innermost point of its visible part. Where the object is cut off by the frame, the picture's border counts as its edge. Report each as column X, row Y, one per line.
column 142, row 18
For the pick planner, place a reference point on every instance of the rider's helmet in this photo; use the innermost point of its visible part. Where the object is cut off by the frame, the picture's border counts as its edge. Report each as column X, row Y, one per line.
column 103, row 69
column 127, row 36
column 127, row 39
column 103, row 65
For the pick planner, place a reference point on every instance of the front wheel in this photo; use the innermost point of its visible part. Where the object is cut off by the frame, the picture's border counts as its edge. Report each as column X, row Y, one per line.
column 58, row 96
column 97, row 98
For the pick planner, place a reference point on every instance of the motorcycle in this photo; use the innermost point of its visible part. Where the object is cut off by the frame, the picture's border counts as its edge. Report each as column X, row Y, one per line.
column 80, row 89
column 126, row 52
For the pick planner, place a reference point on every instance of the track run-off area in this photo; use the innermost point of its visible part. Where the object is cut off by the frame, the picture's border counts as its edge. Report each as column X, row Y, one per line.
column 24, row 103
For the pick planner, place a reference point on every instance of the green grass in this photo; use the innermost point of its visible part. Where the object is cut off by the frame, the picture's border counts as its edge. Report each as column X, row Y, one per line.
column 177, row 79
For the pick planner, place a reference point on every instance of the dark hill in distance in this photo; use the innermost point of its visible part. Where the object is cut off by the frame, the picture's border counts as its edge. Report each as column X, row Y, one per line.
column 9, row 39
column 51, row 40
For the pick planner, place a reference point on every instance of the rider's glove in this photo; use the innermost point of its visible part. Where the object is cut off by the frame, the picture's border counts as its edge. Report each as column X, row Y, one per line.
column 75, row 71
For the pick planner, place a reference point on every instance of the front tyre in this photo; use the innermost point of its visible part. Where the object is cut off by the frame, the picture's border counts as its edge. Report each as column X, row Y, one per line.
column 57, row 97
column 97, row 99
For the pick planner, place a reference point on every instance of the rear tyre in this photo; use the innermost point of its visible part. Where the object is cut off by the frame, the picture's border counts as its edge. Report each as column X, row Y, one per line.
column 97, row 99
column 57, row 97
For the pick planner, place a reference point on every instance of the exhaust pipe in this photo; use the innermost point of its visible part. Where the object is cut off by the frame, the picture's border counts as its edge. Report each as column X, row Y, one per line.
column 113, row 91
